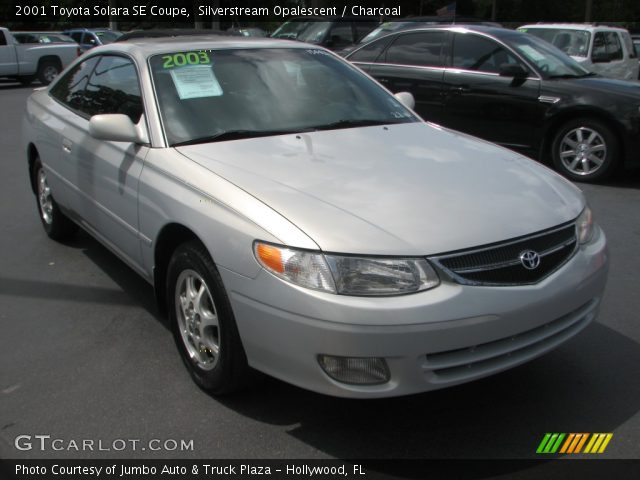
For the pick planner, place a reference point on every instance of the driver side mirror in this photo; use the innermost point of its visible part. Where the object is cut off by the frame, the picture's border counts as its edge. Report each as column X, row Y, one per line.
column 116, row 127
column 406, row 99
column 513, row 70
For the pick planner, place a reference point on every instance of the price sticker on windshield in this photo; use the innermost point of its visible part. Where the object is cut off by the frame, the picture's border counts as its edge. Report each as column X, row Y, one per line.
column 196, row 81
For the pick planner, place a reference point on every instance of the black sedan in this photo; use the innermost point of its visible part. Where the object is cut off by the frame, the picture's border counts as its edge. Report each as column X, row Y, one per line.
column 513, row 89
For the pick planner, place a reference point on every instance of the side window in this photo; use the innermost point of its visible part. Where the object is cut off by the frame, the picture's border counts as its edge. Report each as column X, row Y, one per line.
column 341, row 35
column 423, row 49
column 89, row 39
column 77, row 36
column 370, row 52
column 3, row 40
column 70, row 88
column 114, row 88
column 614, row 48
column 473, row 52
column 626, row 38
column 599, row 46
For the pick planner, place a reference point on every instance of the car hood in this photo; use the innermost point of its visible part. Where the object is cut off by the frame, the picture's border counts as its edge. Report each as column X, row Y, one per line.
column 407, row 189
column 609, row 86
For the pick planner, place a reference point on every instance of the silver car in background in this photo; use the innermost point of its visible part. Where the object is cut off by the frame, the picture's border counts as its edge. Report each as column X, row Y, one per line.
column 297, row 218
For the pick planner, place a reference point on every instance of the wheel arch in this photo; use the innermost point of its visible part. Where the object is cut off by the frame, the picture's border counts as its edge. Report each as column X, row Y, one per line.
column 169, row 238
column 565, row 116
column 50, row 58
column 32, row 154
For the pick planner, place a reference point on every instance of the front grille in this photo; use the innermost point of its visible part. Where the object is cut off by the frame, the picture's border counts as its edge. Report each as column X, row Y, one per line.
column 483, row 359
column 500, row 264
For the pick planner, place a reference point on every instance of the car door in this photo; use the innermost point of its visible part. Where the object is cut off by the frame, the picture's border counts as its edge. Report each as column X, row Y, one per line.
column 481, row 102
column 66, row 124
column 607, row 55
column 108, row 172
column 413, row 62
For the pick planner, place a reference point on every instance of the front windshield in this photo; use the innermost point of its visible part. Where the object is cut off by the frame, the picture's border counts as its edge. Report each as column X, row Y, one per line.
column 570, row 41
column 290, row 29
column 204, row 94
column 314, row 33
column 108, row 36
column 548, row 59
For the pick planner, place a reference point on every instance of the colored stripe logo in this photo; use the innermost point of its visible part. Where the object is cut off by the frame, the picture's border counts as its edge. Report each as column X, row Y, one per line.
column 574, row 443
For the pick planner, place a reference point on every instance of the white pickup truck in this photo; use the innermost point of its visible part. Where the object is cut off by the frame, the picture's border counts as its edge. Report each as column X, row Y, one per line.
column 25, row 63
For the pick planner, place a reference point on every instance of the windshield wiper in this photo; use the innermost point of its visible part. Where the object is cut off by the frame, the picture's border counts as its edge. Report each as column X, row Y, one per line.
column 233, row 135
column 353, row 123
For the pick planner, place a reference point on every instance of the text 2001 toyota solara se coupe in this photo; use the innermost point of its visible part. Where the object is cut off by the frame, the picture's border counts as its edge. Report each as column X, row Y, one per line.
column 297, row 218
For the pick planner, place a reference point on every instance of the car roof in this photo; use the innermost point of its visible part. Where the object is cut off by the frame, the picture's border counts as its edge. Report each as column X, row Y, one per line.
column 498, row 32
column 145, row 47
column 574, row 26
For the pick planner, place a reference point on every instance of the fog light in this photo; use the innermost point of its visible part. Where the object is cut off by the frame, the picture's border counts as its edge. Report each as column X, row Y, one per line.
column 356, row 371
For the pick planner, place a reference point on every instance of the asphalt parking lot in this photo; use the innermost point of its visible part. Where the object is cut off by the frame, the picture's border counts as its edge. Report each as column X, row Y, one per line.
column 85, row 355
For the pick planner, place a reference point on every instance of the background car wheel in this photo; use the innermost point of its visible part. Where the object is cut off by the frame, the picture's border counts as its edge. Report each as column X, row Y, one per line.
column 47, row 71
column 585, row 150
column 203, row 324
column 55, row 223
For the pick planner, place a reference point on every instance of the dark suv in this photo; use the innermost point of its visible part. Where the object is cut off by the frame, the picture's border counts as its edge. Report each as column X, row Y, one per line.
column 513, row 89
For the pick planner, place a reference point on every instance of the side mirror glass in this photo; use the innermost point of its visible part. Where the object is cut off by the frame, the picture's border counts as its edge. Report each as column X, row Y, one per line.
column 115, row 127
column 406, row 99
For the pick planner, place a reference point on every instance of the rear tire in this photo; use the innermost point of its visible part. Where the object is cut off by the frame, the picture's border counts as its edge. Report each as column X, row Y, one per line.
column 585, row 150
column 202, row 321
column 56, row 224
column 47, row 71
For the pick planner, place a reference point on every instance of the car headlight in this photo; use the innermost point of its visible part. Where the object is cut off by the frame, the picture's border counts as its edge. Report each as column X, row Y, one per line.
column 584, row 225
column 347, row 275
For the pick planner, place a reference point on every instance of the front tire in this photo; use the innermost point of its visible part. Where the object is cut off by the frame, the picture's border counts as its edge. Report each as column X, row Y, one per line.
column 585, row 150
column 56, row 224
column 202, row 321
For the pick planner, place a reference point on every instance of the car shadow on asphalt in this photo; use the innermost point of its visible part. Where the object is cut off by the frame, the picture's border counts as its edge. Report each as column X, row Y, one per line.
column 10, row 85
column 137, row 290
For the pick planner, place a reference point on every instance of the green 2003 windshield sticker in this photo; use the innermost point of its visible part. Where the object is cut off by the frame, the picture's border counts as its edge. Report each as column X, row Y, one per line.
column 187, row 58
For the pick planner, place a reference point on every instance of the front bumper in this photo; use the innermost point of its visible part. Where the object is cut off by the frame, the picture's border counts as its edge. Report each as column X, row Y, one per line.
column 434, row 339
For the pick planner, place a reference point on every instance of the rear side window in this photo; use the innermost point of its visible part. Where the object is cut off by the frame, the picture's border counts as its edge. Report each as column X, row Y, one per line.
column 3, row 41
column 70, row 88
column 473, row 52
column 371, row 52
column 114, row 88
column 421, row 49
column 626, row 38
column 614, row 48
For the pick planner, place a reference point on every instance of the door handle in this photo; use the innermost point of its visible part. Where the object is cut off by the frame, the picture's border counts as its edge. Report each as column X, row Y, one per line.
column 459, row 89
column 383, row 80
column 66, row 145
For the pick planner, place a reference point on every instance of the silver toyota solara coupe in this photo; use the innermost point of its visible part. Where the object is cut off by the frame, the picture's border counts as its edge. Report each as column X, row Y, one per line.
column 296, row 218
